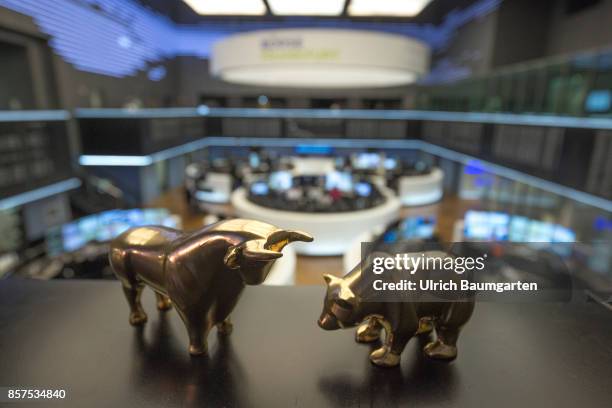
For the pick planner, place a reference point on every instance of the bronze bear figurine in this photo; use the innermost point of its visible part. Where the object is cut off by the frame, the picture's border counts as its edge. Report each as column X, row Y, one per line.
column 344, row 307
column 201, row 273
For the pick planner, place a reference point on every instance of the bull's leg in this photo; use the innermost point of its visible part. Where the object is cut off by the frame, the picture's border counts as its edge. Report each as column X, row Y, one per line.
column 368, row 331
column 197, row 328
column 132, row 294
column 163, row 301
column 198, row 336
column 225, row 328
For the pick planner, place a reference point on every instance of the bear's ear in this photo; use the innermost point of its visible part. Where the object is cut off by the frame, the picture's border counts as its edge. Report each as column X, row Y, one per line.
column 329, row 279
column 347, row 295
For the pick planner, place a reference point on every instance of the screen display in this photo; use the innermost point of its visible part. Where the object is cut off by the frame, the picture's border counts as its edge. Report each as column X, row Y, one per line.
column 103, row 227
column 254, row 160
column 363, row 189
column 412, row 228
column 367, row 161
column 281, row 180
column 418, row 227
column 340, row 180
column 259, row 188
column 519, row 227
column 598, row 101
column 562, row 234
column 318, row 150
column 540, row 231
column 390, row 163
column 483, row 225
column 495, row 226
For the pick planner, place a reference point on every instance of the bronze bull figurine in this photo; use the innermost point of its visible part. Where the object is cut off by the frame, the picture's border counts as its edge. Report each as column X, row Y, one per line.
column 344, row 306
column 201, row 273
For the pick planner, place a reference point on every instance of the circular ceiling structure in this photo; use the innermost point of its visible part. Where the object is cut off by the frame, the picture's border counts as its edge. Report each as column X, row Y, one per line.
column 319, row 58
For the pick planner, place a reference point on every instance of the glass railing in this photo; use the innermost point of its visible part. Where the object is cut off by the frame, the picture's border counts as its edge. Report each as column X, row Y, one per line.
column 577, row 85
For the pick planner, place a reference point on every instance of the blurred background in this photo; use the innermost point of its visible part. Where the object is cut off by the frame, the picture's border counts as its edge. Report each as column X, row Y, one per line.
column 485, row 121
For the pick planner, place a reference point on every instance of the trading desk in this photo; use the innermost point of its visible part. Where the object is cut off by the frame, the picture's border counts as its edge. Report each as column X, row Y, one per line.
column 75, row 335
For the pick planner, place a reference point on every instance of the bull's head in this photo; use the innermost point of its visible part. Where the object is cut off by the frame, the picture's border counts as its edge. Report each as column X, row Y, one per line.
column 254, row 258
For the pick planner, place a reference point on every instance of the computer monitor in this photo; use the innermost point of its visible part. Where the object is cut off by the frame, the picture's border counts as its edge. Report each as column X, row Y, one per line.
column 486, row 226
column 341, row 180
column 598, row 101
column 155, row 215
column 254, row 160
column 411, row 228
column 281, row 180
column 563, row 234
column 316, row 150
column 103, row 227
column 418, row 227
column 72, row 238
column 363, row 189
column 390, row 163
column 367, row 161
column 540, row 231
column 518, row 229
column 259, row 188
column 109, row 225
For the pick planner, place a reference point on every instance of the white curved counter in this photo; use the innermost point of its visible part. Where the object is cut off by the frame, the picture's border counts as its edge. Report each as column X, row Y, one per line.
column 421, row 190
column 333, row 232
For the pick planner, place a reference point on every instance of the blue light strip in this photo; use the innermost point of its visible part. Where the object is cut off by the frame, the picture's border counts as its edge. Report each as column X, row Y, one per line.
column 39, row 193
column 464, row 117
column 110, row 160
column 570, row 193
column 34, row 115
column 144, row 160
column 180, row 150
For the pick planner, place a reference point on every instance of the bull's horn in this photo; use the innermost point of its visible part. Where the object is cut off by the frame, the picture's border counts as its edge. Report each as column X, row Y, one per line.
column 255, row 249
column 300, row 236
column 288, row 236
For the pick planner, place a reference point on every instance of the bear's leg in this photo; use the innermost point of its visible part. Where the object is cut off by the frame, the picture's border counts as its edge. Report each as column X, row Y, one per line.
column 445, row 346
column 448, row 326
column 163, row 301
column 225, row 328
column 425, row 326
column 132, row 294
column 389, row 355
column 368, row 331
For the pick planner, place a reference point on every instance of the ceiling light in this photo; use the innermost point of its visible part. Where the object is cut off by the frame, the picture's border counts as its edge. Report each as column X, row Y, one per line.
column 228, row 7
column 306, row 7
column 387, row 8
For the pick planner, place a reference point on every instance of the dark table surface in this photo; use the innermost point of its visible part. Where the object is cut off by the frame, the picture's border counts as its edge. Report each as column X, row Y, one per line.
column 75, row 335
